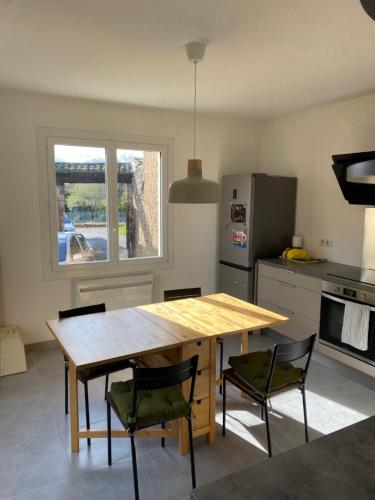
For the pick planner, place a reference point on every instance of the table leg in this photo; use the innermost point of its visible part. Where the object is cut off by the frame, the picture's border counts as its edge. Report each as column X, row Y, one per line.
column 244, row 348
column 244, row 342
column 211, row 437
column 74, row 419
column 183, row 441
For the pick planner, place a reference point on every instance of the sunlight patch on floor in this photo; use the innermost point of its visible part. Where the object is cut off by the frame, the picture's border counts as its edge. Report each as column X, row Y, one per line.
column 324, row 415
column 240, row 422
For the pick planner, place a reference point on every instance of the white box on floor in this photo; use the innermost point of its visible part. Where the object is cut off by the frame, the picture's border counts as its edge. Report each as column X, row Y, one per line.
column 12, row 351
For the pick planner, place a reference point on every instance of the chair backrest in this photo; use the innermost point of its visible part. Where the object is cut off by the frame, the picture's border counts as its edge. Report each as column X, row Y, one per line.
column 182, row 293
column 286, row 353
column 163, row 377
column 81, row 311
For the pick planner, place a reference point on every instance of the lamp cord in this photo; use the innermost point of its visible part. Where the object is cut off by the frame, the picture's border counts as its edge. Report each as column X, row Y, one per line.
column 195, row 103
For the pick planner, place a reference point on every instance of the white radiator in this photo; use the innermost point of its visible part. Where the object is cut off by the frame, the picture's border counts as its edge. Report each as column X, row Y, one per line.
column 116, row 293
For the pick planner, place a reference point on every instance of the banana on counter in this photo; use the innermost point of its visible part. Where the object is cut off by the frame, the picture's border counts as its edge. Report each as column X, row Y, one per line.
column 296, row 254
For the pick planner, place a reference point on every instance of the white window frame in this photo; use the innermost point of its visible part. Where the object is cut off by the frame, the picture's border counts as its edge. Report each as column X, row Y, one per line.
column 46, row 138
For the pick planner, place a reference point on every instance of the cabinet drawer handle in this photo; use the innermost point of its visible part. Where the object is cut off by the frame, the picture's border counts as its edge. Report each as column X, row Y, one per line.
column 199, row 343
column 286, row 311
column 199, row 372
column 287, row 284
column 198, row 402
column 287, row 271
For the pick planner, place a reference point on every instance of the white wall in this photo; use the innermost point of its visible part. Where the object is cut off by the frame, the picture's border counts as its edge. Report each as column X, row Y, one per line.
column 302, row 144
column 225, row 143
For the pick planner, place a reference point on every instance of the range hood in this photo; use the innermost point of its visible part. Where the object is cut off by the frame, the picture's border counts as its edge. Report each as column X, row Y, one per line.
column 355, row 173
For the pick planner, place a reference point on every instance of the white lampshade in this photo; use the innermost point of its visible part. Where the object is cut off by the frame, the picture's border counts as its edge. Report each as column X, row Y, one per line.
column 194, row 188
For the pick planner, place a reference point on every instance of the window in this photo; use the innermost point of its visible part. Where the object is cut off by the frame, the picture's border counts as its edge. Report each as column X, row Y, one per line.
column 103, row 203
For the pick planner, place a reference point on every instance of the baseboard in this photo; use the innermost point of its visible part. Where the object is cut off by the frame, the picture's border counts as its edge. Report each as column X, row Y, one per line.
column 42, row 346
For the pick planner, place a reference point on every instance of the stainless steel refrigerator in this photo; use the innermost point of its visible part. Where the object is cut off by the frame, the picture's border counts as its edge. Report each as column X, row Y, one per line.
column 256, row 219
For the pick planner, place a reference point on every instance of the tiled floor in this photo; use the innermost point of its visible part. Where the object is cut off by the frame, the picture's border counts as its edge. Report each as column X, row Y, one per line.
column 35, row 460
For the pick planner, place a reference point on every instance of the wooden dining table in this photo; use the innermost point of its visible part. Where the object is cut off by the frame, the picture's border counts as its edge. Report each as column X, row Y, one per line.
column 156, row 335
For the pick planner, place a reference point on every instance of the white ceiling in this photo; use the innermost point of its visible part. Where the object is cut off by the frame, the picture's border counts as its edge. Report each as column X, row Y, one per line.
column 264, row 57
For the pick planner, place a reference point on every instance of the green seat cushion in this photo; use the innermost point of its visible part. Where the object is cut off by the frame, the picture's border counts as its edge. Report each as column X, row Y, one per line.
column 254, row 367
column 156, row 406
column 98, row 371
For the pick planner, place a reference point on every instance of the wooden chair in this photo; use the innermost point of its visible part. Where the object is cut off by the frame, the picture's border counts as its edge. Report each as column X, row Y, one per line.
column 86, row 374
column 265, row 373
column 153, row 397
column 187, row 293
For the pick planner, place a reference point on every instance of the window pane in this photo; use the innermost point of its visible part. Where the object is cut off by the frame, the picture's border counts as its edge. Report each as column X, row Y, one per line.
column 81, row 194
column 138, row 178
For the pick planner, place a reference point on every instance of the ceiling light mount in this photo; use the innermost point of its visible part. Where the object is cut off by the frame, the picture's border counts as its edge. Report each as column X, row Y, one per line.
column 195, row 51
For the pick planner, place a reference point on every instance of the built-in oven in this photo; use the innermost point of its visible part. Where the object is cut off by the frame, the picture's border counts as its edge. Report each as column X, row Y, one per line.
column 333, row 300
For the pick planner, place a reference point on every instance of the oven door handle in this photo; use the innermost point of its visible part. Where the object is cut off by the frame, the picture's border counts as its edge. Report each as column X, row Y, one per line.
column 332, row 297
column 343, row 301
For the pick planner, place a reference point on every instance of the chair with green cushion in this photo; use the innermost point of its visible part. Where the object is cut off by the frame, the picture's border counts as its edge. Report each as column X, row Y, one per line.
column 263, row 374
column 86, row 374
column 153, row 397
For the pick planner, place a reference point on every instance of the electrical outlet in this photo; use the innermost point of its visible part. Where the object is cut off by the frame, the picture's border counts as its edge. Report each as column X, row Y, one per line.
column 325, row 242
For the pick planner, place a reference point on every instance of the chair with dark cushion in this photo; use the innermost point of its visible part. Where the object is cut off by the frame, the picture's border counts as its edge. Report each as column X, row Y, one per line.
column 263, row 374
column 90, row 373
column 153, row 397
column 188, row 293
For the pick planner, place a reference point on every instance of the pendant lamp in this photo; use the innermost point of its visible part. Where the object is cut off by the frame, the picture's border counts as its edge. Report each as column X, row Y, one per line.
column 194, row 188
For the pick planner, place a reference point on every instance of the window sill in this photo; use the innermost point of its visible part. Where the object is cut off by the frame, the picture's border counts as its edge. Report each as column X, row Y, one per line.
column 107, row 269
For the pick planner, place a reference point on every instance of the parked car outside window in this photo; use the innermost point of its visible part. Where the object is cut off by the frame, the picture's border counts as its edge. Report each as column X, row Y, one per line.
column 74, row 248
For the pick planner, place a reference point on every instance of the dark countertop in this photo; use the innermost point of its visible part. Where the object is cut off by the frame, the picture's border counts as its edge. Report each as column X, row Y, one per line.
column 320, row 270
column 339, row 466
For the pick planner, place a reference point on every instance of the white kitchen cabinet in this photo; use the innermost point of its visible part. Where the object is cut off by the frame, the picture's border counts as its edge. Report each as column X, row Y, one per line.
column 291, row 277
column 292, row 294
column 297, row 328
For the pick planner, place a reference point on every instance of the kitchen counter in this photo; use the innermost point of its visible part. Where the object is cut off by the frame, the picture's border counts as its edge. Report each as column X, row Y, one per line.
column 338, row 466
column 320, row 270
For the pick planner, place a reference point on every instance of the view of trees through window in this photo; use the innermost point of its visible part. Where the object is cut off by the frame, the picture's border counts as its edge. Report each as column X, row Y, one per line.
column 85, row 198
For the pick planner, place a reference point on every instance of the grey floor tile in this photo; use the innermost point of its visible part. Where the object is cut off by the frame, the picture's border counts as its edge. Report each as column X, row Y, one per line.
column 33, row 464
column 19, row 378
column 62, row 490
column 96, row 455
column 174, row 469
column 361, row 390
column 49, row 361
column 62, row 421
column 21, row 425
column 17, row 397
column 52, row 384
column 116, row 482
